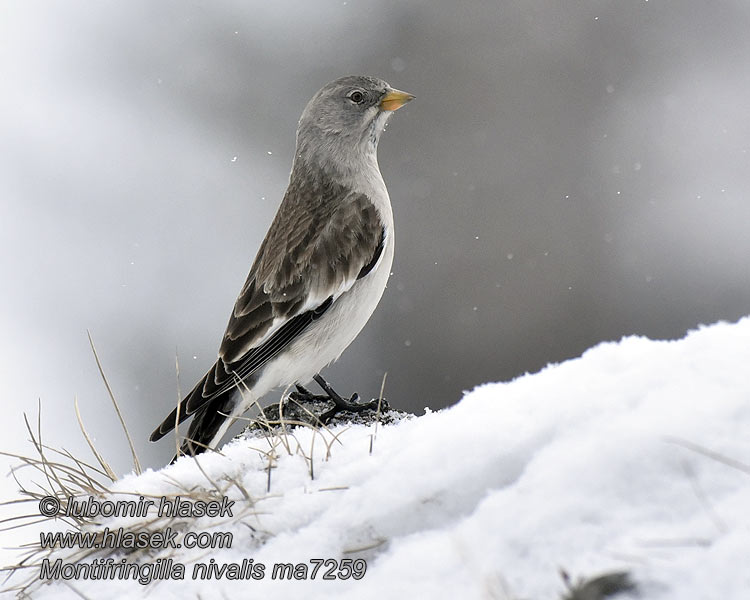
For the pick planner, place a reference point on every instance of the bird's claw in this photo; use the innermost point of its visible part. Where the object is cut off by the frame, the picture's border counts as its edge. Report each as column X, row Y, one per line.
column 351, row 404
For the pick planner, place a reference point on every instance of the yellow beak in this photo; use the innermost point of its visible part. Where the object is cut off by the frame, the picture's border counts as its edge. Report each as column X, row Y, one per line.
column 395, row 99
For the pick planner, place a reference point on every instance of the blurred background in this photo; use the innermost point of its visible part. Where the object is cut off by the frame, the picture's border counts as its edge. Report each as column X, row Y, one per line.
column 569, row 173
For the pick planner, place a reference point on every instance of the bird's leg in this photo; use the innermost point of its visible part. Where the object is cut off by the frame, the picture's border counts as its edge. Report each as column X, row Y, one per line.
column 304, row 395
column 350, row 404
column 341, row 404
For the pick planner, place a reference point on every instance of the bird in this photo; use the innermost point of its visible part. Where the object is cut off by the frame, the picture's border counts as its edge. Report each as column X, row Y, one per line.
column 320, row 271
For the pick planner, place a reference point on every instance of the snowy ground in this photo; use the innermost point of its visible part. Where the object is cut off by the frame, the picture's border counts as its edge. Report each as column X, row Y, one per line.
column 635, row 456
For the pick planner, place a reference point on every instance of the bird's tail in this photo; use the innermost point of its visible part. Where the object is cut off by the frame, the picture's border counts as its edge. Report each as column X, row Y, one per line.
column 209, row 423
column 210, row 420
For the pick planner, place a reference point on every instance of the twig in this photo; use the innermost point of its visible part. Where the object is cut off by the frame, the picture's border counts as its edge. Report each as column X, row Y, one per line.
column 179, row 404
column 136, row 462
column 377, row 412
column 107, row 469
column 730, row 462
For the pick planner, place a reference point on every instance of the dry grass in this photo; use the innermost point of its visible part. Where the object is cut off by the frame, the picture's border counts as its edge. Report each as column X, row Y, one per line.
column 60, row 474
column 63, row 476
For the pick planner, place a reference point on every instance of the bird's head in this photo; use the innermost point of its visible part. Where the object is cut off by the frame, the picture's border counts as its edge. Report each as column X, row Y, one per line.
column 342, row 122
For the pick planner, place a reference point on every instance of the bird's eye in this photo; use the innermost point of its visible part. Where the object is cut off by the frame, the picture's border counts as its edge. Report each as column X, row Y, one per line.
column 356, row 96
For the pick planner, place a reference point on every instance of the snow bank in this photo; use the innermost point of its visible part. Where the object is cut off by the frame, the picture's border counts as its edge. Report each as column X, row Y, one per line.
column 630, row 457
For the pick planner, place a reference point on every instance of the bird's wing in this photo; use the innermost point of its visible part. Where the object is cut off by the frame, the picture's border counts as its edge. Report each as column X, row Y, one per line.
column 322, row 240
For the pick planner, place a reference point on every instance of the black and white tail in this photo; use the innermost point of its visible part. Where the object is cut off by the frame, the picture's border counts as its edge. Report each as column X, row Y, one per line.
column 210, row 420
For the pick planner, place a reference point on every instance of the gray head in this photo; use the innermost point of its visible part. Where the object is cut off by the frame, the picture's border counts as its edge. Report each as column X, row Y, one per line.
column 342, row 123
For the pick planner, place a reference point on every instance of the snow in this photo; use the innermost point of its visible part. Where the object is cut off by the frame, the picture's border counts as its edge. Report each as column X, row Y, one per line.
column 634, row 456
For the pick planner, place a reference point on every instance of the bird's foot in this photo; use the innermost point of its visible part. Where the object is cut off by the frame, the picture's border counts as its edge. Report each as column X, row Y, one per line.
column 340, row 404
column 304, row 395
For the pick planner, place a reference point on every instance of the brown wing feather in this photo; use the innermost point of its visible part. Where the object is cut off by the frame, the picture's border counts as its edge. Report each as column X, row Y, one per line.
column 321, row 238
